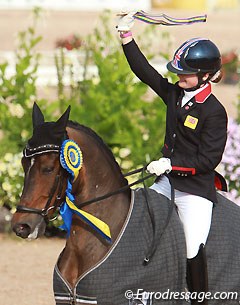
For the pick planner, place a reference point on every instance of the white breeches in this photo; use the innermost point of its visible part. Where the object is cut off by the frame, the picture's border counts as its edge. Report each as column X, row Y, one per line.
column 195, row 213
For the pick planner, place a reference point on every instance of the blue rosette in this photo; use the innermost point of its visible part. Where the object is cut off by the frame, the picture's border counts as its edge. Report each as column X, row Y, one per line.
column 71, row 158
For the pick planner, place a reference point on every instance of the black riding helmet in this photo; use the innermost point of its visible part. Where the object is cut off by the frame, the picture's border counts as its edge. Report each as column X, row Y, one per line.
column 197, row 55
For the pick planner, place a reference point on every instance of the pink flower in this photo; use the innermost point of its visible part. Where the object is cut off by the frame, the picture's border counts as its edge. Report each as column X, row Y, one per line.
column 71, row 42
column 231, row 161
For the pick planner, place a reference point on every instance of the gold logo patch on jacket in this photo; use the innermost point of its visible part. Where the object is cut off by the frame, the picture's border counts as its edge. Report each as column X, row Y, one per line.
column 191, row 122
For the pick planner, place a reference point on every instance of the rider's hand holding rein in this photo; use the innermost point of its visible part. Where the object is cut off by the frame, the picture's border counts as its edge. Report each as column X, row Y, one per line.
column 159, row 167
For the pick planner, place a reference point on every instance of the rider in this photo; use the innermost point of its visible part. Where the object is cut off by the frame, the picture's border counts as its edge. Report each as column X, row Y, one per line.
column 196, row 133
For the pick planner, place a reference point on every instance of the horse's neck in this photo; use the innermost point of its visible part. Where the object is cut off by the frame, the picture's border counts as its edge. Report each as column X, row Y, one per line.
column 100, row 173
column 98, row 177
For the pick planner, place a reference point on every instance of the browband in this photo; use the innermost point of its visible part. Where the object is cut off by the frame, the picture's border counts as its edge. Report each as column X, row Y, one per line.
column 30, row 152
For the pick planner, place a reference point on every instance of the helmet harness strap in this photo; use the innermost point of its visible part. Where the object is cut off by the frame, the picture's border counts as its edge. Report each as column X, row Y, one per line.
column 201, row 82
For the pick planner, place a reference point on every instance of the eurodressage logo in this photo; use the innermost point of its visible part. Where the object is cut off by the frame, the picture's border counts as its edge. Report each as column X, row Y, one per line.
column 139, row 298
column 142, row 297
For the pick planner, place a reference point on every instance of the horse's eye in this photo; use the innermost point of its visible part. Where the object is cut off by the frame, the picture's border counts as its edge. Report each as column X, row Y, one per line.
column 47, row 170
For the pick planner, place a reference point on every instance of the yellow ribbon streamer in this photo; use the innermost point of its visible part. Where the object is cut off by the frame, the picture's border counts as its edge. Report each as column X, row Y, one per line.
column 99, row 224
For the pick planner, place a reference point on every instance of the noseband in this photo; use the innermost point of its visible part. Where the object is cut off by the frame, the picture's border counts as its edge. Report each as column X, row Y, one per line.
column 57, row 186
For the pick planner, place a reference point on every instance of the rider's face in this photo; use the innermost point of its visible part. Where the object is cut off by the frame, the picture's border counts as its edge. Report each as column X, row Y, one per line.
column 187, row 81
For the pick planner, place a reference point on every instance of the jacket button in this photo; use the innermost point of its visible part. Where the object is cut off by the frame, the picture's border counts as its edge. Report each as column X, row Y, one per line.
column 174, row 135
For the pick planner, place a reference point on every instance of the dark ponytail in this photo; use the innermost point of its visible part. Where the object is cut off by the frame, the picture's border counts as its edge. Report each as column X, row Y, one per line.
column 216, row 77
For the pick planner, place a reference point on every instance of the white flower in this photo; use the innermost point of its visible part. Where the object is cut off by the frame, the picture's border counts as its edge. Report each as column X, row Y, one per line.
column 6, row 186
column 145, row 136
column 124, row 152
column 12, row 173
column 3, row 167
column 24, row 134
column 8, row 157
column 126, row 165
column 16, row 110
column 95, row 80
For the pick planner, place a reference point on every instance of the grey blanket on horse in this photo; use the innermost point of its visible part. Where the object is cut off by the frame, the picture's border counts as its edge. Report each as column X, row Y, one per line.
column 122, row 269
column 223, row 253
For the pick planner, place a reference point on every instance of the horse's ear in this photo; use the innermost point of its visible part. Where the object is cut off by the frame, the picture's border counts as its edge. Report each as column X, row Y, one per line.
column 37, row 116
column 62, row 121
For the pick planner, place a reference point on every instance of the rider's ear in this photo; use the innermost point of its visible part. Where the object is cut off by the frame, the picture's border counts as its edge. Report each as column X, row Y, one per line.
column 37, row 116
column 62, row 121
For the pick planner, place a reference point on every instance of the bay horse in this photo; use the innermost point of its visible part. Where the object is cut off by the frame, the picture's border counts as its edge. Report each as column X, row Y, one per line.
column 90, row 270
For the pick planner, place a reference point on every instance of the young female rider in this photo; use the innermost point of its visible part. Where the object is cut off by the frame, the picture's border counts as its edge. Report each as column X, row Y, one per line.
column 196, row 132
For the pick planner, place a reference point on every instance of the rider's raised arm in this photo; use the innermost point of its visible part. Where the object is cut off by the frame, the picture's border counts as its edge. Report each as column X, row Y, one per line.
column 138, row 62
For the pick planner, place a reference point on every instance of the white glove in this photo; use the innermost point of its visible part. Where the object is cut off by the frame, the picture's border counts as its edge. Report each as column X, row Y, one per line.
column 125, row 22
column 159, row 167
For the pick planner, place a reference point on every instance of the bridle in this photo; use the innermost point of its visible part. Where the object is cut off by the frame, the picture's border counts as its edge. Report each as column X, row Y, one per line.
column 57, row 187
column 58, row 184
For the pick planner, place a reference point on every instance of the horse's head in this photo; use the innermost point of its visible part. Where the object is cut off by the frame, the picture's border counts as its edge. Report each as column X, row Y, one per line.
column 44, row 177
column 52, row 160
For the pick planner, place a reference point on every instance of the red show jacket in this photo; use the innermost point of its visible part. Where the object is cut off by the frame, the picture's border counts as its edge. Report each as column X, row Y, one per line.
column 196, row 134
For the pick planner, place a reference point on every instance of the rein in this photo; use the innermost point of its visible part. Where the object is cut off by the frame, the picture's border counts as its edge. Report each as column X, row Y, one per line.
column 120, row 190
column 58, row 185
column 155, row 241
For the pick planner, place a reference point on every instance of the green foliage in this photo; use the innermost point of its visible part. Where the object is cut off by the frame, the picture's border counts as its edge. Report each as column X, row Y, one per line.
column 114, row 103
column 17, row 93
column 230, row 67
column 11, row 178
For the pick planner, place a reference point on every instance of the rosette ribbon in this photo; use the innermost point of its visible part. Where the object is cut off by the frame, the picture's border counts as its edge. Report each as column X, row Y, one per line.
column 71, row 160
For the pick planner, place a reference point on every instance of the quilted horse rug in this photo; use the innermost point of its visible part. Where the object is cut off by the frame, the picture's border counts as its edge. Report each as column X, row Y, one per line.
column 120, row 278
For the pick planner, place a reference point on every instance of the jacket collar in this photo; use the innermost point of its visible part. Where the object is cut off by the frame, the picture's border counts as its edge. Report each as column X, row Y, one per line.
column 201, row 96
column 198, row 98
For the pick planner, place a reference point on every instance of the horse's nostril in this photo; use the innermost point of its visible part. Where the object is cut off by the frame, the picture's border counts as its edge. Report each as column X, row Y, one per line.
column 22, row 230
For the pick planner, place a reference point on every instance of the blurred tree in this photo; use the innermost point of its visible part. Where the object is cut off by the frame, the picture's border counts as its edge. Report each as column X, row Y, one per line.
column 17, row 93
column 114, row 103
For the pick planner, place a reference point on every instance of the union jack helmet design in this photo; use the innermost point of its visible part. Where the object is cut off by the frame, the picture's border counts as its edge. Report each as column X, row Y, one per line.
column 194, row 56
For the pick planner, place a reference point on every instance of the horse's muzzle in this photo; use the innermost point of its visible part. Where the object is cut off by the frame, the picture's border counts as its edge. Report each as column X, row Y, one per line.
column 22, row 230
column 31, row 227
